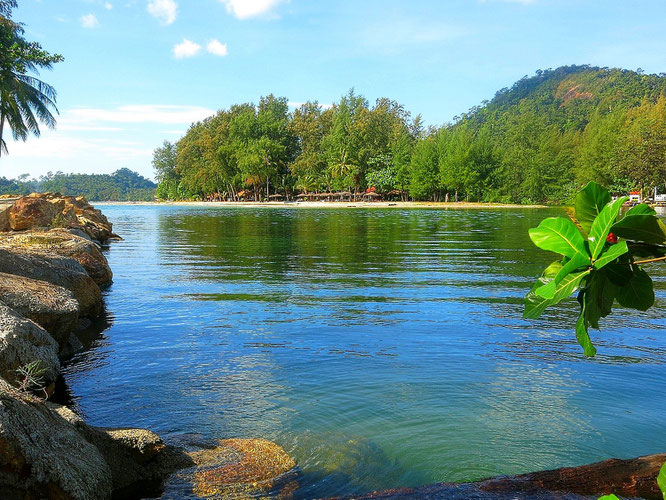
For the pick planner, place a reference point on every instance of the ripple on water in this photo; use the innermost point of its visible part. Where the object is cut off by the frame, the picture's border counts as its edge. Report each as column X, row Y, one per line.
column 379, row 348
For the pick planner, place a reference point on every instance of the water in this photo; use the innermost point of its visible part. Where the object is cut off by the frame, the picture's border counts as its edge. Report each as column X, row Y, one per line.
column 379, row 347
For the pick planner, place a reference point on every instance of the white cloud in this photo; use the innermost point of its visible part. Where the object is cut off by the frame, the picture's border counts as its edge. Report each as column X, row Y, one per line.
column 89, row 21
column 108, row 6
column 163, row 10
column 136, row 113
column 186, row 48
column 216, row 48
column 244, row 9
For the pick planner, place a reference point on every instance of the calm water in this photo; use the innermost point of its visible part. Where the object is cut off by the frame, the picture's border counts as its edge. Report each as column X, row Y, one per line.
column 380, row 348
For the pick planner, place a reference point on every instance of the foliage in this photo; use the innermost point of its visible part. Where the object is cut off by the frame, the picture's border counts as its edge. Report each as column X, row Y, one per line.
column 25, row 101
column 600, row 258
column 122, row 185
column 30, row 377
column 538, row 141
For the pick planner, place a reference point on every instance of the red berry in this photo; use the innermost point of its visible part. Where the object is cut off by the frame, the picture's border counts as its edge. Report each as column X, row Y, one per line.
column 611, row 238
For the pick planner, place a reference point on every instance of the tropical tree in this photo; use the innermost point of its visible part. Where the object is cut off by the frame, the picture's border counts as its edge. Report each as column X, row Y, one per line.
column 25, row 101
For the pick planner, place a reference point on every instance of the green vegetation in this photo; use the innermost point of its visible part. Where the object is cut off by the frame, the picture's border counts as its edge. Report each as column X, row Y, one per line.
column 122, row 185
column 535, row 142
column 25, row 101
column 595, row 261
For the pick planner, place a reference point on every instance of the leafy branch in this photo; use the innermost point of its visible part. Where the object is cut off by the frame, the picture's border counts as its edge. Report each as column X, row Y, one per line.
column 601, row 259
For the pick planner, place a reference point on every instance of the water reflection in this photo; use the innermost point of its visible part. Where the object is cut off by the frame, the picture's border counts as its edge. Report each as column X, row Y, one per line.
column 380, row 348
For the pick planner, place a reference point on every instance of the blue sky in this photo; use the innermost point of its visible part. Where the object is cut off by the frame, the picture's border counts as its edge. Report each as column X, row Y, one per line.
column 137, row 72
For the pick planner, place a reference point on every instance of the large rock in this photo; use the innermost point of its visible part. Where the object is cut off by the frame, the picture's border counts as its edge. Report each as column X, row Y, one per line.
column 138, row 459
column 65, row 243
column 51, row 210
column 42, row 455
column 52, row 307
column 61, row 271
column 22, row 342
column 28, row 213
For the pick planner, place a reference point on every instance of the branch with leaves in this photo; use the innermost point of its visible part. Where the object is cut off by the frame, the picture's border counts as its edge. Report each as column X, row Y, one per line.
column 601, row 259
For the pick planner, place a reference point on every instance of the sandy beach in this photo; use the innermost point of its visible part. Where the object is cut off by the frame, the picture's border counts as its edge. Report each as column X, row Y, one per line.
column 327, row 204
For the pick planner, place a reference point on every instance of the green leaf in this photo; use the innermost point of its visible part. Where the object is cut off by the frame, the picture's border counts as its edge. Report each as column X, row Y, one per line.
column 559, row 235
column 581, row 331
column 577, row 261
column 589, row 203
column 602, row 225
column 600, row 295
column 613, row 252
column 641, row 209
column 661, row 480
column 619, row 274
column 535, row 304
column 609, row 497
column 638, row 293
column 641, row 227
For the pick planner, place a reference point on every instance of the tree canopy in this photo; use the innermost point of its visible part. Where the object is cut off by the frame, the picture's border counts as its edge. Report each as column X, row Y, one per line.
column 538, row 141
column 25, row 101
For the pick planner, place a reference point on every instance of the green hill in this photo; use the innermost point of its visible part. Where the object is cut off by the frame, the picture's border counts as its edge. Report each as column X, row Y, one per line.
column 122, row 185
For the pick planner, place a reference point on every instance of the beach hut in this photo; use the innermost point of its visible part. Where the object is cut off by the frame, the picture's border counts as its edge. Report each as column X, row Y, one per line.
column 371, row 196
column 275, row 197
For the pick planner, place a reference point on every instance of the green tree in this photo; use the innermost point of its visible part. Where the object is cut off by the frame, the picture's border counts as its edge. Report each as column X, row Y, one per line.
column 25, row 101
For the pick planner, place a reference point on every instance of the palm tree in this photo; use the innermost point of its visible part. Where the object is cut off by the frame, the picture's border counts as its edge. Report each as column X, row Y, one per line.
column 25, row 101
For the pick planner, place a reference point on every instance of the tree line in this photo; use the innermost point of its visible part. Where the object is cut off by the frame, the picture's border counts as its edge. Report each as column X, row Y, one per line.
column 122, row 185
column 535, row 142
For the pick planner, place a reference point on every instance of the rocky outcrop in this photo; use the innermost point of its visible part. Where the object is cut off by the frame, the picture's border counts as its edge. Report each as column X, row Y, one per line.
column 72, row 243
column 52, row 307
column 61, row 271
column 21, row 342
column 52, row 210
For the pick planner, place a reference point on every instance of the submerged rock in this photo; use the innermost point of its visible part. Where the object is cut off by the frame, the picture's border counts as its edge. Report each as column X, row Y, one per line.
column 61, row 271
column 236, row 468
column 52, row 307
column 22, row 342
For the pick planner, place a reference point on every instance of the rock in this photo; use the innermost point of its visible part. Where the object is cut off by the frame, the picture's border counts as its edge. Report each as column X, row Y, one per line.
column 22, row 342
column 4, row 218
column 138, row 459
column 42, row 455
column 61, row 271
column 28, row 213
column 52, row 307
column 242, row 467
column 52, row 210
column 65, row 243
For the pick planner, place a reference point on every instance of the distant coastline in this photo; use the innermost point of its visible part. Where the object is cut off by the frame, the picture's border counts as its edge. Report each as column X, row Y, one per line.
column 329, row 204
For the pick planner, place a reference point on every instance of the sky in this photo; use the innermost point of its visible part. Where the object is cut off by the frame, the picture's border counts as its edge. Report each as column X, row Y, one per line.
column 139, row 72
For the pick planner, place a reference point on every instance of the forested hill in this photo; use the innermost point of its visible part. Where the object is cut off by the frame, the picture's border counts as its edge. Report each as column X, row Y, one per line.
column 122, row 185
column 537, row 141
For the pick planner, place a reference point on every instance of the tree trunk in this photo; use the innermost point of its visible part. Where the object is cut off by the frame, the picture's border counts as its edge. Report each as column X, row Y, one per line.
column 635, row 477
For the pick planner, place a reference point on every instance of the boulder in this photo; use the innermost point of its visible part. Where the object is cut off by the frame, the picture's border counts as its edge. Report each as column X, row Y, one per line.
column 42, row 455
column 53, row 210
column 29, row 213
column 72, row 243
column 138, row 459
column 22, row 342
column 61, row 271
column 52, row 307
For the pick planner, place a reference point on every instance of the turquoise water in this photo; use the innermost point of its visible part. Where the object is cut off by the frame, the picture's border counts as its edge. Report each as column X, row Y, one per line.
column 380, row 347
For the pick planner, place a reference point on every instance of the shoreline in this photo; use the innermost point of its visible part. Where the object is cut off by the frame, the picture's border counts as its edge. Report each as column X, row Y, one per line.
column 461, row 205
